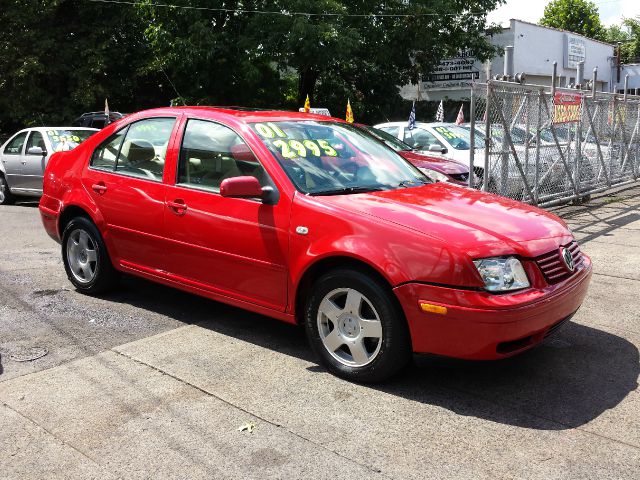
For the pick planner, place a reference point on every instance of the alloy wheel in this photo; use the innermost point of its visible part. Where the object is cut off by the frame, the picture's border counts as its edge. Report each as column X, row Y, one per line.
column 349, row 327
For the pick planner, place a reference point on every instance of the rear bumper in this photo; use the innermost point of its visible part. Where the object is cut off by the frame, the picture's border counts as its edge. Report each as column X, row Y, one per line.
column 49, row 213
column 482, row 326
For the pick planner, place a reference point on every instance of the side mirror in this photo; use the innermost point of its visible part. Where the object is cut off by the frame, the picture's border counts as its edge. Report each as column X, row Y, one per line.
column 246, row 187
column 36, row 151
column 436, row 148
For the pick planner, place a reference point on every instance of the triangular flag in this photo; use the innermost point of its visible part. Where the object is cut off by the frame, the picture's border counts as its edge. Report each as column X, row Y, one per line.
column 106, row 112
column 349, row 117
column 460, row 118
column 307, row 105
column 440, row 113
column 412, row 117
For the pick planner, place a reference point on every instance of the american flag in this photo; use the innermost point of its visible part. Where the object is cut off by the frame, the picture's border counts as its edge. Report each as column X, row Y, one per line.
column 412, row 117
column 440, row 113
column 460, row 118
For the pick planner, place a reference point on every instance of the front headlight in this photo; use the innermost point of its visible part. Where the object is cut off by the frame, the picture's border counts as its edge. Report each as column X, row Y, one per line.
column 434, row 175
column 502, row 274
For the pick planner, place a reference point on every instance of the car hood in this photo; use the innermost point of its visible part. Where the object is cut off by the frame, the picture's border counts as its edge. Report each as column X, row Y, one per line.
column 440, row 164
column 480, row 224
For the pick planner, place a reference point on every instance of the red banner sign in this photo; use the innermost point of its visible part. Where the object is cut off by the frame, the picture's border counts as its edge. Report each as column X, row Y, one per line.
column 567, row 107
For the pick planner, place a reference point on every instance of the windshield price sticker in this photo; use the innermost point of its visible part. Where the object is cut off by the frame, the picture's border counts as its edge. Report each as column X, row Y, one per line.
column 567, row 107
column 70, row 138
column 300, row 148
column 447, row 133
column 292, row 148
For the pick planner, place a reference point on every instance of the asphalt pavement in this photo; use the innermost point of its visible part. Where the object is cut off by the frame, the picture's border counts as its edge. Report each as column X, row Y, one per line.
column 149, row 382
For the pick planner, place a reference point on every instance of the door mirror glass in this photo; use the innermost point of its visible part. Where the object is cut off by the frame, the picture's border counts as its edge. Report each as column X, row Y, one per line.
column 435, row 148
column 36, row 151
column 241, row 187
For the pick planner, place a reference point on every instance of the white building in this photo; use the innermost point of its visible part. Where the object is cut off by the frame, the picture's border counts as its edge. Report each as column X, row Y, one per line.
column 633, row 85
column 535, row 48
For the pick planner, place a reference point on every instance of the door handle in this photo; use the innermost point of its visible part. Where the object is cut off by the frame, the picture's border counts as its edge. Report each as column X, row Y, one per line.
column 177, row 206
column 99, row 187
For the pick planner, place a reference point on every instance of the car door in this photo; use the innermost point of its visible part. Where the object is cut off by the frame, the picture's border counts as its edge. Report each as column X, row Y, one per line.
column 235, row 247
column 12, row 160
column 33, row 163
column 125, row 179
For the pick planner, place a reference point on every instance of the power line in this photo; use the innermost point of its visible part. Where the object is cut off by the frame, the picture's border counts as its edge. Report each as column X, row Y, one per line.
column 291, row 14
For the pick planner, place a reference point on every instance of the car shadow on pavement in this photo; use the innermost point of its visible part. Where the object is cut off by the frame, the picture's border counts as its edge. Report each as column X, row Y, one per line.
column 570, row 380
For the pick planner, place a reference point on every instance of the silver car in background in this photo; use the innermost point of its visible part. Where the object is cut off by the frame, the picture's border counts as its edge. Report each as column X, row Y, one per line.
column 24, row 156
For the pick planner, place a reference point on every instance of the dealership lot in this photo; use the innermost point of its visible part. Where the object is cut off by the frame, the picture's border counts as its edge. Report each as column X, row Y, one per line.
column 148, row 382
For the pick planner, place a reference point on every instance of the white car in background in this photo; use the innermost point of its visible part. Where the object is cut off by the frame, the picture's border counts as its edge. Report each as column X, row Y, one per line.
column 444, row 138
column 24, row 156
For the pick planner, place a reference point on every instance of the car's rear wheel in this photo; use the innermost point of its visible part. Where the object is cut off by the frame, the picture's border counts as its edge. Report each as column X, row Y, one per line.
column 356, row 328
column 6, row 197
column 85, row 257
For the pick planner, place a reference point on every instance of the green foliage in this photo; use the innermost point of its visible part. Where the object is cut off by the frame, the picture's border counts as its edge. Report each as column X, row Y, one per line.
column 60, row 58
column 329, row 58
column 628, row 35
column 577, row 16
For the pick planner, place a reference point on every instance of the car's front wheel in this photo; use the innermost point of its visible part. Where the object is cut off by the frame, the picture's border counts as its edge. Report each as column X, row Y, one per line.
column 85, row 257
column 6, row 197
column 356, row 328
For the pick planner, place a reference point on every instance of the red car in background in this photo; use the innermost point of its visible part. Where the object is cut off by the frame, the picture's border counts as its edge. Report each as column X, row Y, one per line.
column 438, row 169
column 312, row 221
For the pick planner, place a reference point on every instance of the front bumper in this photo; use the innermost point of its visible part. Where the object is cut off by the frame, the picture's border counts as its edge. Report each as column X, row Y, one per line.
column 483, row 326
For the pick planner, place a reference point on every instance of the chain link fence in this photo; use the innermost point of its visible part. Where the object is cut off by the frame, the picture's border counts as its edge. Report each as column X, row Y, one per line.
column 546, row 146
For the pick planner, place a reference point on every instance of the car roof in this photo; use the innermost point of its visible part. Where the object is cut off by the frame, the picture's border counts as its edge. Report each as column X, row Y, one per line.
column 67, row 128
column 240, row 113
column 418, row 124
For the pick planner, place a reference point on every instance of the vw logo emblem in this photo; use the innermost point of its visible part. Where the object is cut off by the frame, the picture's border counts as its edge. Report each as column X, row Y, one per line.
column 568, row 259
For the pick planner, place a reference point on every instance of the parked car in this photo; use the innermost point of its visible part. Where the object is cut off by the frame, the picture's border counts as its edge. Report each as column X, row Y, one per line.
column 96, row 119
column 438, row 169
column 309, row 220
column 25, row 155
column 551, row 174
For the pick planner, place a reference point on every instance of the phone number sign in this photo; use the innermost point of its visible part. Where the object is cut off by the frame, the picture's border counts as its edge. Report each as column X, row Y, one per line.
column 567, row 107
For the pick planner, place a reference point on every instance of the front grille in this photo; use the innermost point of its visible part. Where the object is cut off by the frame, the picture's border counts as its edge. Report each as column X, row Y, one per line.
column 552, row 264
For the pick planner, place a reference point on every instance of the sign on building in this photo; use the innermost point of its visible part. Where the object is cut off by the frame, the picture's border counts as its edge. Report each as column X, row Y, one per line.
column 457, row 72
column 575, row 50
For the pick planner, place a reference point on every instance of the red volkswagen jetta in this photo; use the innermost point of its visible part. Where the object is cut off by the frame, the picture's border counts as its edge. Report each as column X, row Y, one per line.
column 310, row 220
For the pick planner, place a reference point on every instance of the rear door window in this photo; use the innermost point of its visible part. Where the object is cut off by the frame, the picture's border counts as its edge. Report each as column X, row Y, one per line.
column 138, row 150
column 14, row 147
column 420, row 139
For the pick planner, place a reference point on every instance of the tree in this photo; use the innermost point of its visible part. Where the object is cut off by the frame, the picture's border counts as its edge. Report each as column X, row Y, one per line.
column 330, row 50
column 577, row 16
column 60, row 58
column 628, row 36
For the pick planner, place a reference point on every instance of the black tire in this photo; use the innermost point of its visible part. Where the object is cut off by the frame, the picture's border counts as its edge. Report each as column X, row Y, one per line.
column 392, row 351
column 104, row 277
column 6, row 197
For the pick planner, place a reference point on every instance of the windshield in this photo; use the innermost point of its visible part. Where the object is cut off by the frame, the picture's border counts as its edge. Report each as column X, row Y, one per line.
column 391, row 141
column 63, row 140
column 325, row 158
column 458, row 137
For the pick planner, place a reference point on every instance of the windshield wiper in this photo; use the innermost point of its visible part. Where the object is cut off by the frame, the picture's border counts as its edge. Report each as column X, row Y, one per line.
column 347, row 190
